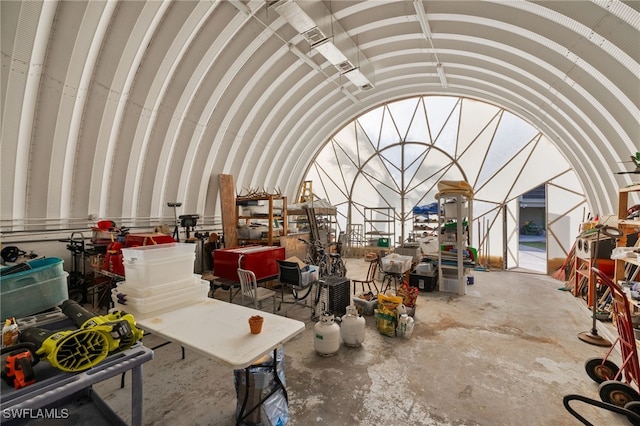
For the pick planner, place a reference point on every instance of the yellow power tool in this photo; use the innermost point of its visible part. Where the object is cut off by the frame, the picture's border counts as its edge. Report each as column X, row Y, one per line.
column 80, row 349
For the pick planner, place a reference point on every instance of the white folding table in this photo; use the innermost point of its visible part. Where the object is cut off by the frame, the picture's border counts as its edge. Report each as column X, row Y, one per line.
column 220, row 330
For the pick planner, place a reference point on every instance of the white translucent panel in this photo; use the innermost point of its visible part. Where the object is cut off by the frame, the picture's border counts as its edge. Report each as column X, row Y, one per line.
column 475, row 116
column 389, row 133
column 426, row 179
column 511, row 135
column 544, row 163
column 325, row 155
column 565, row 213
column 364, row 195
column 488, row 234
column 347, row 139
column 414, row 155
column 499, row 186
column 342, row 212
column 482, row 208
column 370, row 123
column 448, row 136
column 346, row 162
column 513, row 234
column 366, row 146
column 568, row 180
column 438, row 111
column 473, row 157
column 510, row 156
column 403, row 112
column 331, row 182
column 376, row 171
column 392, row 159
column 418, row 130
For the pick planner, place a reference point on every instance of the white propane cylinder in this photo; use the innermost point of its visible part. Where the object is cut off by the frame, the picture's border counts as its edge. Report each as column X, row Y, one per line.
column 327, row 335
column 352, row 328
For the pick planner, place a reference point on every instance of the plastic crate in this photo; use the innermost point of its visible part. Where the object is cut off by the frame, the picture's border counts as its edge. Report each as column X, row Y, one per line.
column 158, row 252
column 34, row 298
column 426, row 282
column 176, row 294
column 162, row 289
column 159, row 271
column 141, row 308
column 41, row 270
column 365, row 307
column 396, row 263
column 383, row 242
column 449, row 284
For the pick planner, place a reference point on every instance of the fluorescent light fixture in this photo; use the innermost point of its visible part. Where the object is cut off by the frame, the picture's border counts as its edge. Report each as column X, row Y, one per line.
column 334, row 55
column 357, row 78
column 294, row 15
column 442, row 75
column 422, row 18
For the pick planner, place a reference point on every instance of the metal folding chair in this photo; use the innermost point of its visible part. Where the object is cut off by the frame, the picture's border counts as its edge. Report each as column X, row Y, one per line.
column 249, row 289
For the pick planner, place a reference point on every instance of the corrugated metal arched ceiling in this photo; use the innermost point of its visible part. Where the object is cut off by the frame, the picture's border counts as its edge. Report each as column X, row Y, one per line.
column 115, row 108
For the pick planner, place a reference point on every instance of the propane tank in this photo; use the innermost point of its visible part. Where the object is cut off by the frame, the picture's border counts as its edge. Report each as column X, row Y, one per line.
column 352, row 328
column 327, row 335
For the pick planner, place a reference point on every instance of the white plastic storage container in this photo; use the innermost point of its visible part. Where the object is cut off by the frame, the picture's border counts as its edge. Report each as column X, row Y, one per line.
column 449, row 284
column 147, row 307
column 158, row 252
column 450, row 210
column 310, row 275
column 396, row 263
column 176, row 294
column 160, row 271
column 424, row 268
column 133, row 290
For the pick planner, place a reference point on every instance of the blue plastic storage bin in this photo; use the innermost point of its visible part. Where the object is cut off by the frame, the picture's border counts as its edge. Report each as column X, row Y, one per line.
column 34, row 298
column 41, row 270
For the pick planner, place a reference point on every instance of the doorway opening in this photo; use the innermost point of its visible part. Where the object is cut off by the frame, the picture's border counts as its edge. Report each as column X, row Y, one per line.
column 532, row 236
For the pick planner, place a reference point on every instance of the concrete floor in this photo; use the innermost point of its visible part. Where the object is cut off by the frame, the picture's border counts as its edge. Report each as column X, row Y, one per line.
column 503, row 354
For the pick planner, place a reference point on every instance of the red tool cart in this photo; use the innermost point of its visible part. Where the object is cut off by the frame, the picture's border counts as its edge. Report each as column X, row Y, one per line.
column 259, row 259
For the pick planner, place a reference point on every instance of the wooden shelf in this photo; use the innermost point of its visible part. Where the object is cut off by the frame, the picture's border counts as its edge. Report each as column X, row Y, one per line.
column 626, row 225
column 632, row 188
column 268, row 217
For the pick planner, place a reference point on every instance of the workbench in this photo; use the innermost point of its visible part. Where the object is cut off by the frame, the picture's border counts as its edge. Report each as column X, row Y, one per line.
column 227, row 337
column 53, row 388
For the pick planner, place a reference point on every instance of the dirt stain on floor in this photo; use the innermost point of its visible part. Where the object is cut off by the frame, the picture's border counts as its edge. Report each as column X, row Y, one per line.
column 447, row 322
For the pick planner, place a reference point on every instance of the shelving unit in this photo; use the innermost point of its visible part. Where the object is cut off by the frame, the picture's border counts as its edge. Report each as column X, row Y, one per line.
column 270, row 217
column 455, row 208
column 354, row 239
column 320, row 222
column 423, row 223
column 627, row 227
column 380, row 222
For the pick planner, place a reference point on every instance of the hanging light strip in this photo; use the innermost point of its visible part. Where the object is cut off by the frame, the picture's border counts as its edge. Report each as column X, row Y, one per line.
column 442, row 75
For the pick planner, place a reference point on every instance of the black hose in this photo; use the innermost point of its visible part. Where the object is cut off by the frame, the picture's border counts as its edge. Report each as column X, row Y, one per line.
column 633, row 417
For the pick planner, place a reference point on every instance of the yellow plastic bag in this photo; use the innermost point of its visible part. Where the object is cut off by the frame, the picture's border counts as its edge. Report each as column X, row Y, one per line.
column 386, row 316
